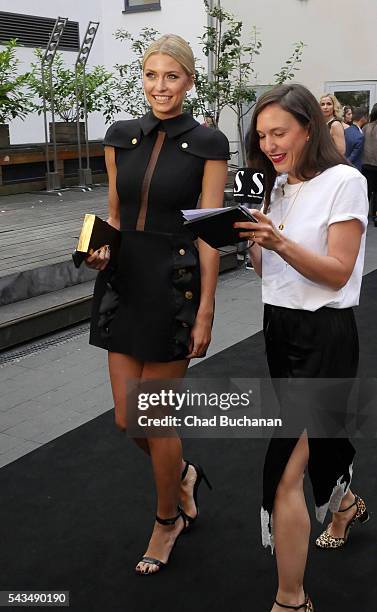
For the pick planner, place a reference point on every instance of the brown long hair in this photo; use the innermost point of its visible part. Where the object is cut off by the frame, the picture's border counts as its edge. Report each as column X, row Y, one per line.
column 319, row 152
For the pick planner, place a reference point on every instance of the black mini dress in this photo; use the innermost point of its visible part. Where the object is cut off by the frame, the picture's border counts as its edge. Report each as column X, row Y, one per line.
column 145, row 305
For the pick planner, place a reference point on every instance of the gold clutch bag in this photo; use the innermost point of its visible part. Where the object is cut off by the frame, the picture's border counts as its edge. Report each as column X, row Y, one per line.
column 96, row 233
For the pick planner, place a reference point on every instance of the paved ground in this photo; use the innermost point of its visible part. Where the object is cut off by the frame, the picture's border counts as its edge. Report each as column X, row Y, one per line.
column 60, row 386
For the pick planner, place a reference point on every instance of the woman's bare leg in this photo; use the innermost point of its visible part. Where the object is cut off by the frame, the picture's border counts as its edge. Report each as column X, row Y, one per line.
column 121, row 368
column 166, row 455
column 291, row 525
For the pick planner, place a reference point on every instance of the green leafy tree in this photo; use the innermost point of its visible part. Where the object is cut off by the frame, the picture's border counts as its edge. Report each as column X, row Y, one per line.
column 128, row 90
column 231, row 83
column 99, row 84
column 287, row 72
column 15, row 99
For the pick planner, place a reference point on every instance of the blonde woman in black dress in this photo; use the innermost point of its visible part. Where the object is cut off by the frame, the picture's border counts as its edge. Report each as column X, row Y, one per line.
column 155, row 312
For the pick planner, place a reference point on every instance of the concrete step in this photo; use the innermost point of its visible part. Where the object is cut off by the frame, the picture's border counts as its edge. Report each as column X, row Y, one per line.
column 28, row 319
column 57, row 274
column 37, row 316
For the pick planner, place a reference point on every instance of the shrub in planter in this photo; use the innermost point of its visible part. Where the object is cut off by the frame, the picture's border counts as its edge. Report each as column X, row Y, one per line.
column 98, row 84
column 15, row 99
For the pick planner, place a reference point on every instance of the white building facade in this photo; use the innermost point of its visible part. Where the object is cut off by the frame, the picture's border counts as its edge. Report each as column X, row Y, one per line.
column 185, row 17
column 340, row 44
column 339, row 55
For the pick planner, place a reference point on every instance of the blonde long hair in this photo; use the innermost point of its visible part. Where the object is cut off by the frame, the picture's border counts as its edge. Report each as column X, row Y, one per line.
column 177, row 48
column 338, row 110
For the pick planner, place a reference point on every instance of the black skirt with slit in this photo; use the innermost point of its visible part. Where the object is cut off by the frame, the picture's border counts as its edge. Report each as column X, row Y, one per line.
column 310, row 345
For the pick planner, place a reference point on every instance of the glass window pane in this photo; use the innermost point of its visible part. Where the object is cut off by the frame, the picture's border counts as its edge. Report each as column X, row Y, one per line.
column 354, row 98
column 141, row 2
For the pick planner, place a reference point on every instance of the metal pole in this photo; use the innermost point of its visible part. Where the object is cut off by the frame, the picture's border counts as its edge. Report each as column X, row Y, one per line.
column 210, row 55
column 45, row 120
column 85, row 174
column 53, row 180
column 78, row 123
column 86, row 122
column 57, row 176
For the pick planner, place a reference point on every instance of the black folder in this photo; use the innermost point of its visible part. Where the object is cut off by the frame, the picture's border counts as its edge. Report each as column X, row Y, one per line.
column 216, row 227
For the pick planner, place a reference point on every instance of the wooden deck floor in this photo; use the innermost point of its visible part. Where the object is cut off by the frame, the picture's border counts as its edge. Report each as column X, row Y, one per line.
column 38, row 230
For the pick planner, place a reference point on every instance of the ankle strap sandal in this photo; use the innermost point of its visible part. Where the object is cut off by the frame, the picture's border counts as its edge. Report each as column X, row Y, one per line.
column 200, row 476
column 307, row 605
column 325, row 540
column 151, row 560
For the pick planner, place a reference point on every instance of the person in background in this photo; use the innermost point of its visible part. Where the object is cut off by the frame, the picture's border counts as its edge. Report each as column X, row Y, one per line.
column 308, row 247
column 333, row 114
column 369, row 167
column 354, row 137
column 347, row 116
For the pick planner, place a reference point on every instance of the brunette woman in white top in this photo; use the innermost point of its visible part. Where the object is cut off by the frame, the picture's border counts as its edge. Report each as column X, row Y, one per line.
column 308, row 247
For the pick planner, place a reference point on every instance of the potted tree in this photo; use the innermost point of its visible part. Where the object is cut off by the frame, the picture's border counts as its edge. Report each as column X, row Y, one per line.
column 98, row 84
column 15, row 99
column 232, row 83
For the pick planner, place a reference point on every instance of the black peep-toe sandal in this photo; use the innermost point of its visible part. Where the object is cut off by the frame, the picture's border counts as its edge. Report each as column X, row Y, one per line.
column 157, row 562
column 307, row 605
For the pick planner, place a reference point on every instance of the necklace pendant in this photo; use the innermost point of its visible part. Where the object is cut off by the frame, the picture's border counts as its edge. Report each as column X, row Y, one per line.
column 281, row 227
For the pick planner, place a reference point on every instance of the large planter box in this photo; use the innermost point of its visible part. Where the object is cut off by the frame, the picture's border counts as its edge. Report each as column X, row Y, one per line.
column 4, row 135
column 66, row 132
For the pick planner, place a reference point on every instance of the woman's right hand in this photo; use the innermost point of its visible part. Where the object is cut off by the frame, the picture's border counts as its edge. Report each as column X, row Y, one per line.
column 98, row 260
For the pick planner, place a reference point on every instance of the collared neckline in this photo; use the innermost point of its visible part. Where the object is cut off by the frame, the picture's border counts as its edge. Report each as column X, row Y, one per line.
column 173, row 127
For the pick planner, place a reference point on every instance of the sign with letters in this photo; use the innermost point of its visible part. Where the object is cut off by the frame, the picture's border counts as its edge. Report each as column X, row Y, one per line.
column 248, row 186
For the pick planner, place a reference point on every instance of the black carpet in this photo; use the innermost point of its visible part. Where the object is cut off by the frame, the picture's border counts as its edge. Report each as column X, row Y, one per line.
column 76, row 514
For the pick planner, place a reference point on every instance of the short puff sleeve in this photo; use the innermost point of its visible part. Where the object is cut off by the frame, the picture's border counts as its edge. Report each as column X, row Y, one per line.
column 207, row 143
column 123, row 134
column 351, row 201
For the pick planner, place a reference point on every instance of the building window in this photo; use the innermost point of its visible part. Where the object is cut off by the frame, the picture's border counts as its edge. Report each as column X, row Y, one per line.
column 353, row 93
column 135, row 6
column 34, row 31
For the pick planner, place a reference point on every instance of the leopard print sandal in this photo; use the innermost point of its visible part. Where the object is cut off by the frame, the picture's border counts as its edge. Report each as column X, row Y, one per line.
column 325, row 540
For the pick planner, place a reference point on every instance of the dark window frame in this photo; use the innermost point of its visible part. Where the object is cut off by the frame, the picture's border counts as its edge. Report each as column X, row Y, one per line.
column 139, row 8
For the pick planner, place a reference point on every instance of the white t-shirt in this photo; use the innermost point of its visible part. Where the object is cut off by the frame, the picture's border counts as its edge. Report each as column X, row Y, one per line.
column 337, row 194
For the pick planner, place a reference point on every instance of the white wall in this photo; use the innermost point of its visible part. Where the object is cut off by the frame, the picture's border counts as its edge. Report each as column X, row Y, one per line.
column 340, row 38
column 184, row 17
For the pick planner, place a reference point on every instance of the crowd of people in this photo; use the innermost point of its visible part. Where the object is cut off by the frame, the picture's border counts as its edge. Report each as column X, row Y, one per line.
column 354, row 132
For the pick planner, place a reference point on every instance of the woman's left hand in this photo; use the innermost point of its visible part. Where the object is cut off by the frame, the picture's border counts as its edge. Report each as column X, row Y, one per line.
column 263, row 233
column 200, row 336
